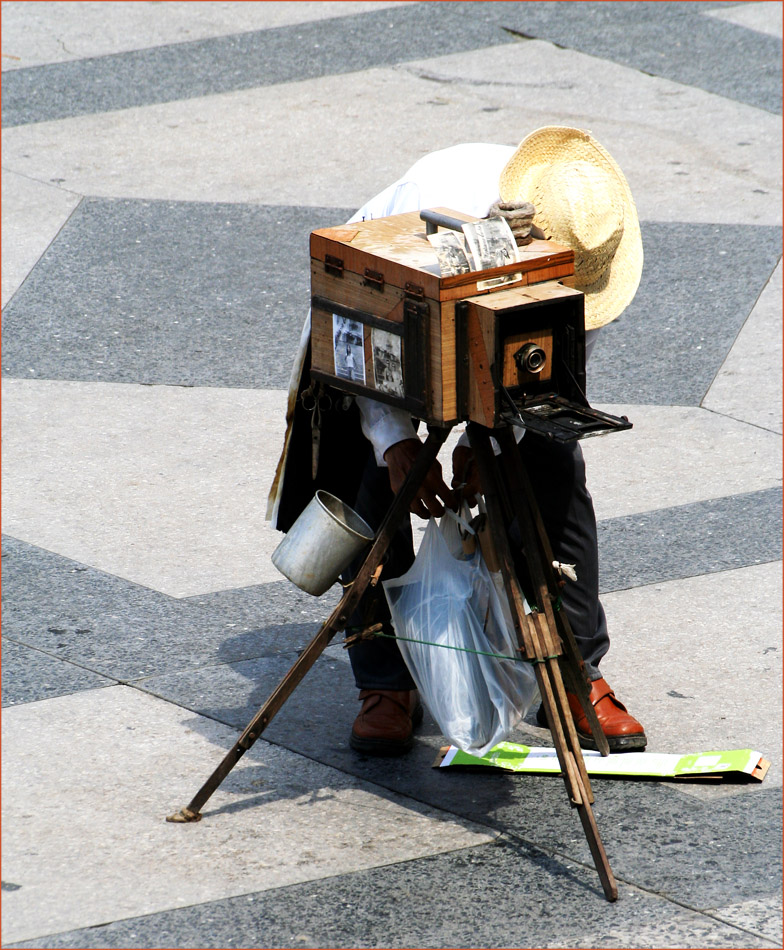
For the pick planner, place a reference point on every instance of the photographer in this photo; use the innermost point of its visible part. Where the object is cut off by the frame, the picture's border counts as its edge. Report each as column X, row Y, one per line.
column 581, row 199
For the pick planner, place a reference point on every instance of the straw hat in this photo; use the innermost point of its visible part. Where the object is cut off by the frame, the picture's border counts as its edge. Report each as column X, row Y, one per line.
column 582, row 200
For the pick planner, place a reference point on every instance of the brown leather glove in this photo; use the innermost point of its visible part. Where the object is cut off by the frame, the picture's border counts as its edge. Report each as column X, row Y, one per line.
column 465, row 475
column 519, row 215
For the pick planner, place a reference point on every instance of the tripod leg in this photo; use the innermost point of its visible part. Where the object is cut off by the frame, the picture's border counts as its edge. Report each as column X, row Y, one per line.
column 336, row 621
column 539, row 643
column 535, row 538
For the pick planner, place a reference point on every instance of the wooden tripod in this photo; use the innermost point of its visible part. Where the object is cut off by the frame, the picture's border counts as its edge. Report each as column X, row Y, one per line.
column 544, row 636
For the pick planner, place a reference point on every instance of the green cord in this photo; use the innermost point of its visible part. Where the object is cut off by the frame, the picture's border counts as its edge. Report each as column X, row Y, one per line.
column 448, row 646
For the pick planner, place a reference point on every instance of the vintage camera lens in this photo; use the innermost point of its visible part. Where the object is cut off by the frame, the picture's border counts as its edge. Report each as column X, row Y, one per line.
column 530, row 358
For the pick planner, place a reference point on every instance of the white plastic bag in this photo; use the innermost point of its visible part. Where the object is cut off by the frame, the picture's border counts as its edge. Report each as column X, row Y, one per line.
column 476, row 699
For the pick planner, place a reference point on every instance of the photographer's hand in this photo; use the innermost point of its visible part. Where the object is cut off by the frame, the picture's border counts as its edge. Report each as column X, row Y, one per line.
column 465, row 474
column 400, row 457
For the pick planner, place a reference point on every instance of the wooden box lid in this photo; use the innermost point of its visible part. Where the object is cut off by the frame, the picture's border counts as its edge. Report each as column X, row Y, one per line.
column 397, row 246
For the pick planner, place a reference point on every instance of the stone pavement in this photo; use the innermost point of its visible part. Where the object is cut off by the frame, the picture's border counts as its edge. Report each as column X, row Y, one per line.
column 163, row 164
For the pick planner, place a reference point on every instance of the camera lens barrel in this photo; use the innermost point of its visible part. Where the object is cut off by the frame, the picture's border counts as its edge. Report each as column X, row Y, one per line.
column 530, row 358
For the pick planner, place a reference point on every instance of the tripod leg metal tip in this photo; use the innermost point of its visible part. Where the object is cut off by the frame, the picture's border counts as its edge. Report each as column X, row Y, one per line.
column 184, row 814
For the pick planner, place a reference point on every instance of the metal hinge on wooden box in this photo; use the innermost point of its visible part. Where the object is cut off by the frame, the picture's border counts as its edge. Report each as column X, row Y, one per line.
column 497, row 346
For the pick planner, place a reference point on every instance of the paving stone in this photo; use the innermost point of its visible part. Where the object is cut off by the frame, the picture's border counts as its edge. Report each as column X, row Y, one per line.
column 163, row 485
column 121, row 630
column 30, row 675
column 641, row 469
column 94, row 774
column 669, row 343
column 762, row 16
column 65, row 32
column 757, row 356
column 33, row 213
column 167, row 293
column 493, row 895
column 716, row 535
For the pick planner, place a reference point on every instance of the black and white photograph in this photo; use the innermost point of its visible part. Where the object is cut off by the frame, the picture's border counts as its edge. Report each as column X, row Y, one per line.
column 387, row 361
column 491, row 242
column 452, row 253
column 349, row 348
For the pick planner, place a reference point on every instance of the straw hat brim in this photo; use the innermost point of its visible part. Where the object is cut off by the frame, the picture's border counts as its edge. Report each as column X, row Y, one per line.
column 607, row 297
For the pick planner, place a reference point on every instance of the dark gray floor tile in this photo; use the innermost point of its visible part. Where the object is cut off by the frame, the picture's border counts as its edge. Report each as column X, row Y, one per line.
column 30, row 675
column 667, row 346
column 505, row 894
column 278, row 602
column 722, row 534
column 177, row 293
column 243, row 61
column 695, row 850
column 673, row 40
column 125, row 631
column 206, row 282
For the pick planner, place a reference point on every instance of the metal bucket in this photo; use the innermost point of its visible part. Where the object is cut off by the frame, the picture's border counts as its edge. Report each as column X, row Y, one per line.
column 321, row 543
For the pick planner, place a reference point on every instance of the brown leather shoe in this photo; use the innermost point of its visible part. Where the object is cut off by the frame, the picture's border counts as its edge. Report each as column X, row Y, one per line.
column 385, row 724
column 624, row 733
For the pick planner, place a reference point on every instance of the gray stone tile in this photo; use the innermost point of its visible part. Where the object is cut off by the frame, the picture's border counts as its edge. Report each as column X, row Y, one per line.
column 694, row 850
column 701, row 538
column 670, row 40
column 243, row 61
column 664, row 39
column 695, row 295
column 93, row 777
column 125, row 631
column 170, row 292
column 167, row 292
column 495, row 895
column 30, row 675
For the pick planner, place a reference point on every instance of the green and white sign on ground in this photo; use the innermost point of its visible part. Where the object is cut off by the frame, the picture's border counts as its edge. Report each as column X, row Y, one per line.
column 732, row 765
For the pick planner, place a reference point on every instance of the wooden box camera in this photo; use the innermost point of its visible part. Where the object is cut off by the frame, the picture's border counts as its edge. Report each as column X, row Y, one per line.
column 496, row 347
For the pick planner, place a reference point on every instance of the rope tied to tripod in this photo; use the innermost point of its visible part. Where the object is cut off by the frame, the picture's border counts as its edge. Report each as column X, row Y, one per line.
column 377, row 631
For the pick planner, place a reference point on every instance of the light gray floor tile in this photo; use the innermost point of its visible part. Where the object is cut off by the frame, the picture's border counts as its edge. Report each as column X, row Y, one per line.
column 695, row 172
column 164, row 486
column 640, row 469
column 699, row 661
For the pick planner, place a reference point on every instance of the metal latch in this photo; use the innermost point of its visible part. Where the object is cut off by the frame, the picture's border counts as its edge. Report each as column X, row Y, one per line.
column 333, row 265
column 414, row 291
column 373, row 279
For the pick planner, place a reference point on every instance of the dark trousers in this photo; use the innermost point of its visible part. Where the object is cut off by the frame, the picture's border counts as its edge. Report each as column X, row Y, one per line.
column 557, row 473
